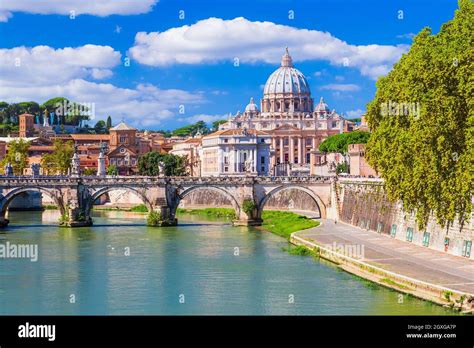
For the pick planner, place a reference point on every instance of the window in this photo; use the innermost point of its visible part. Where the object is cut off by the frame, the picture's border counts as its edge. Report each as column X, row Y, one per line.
column 122, row 150
column 393, row 231
column 226, row 169
column 226, row 140
column 308, row 158
column 334, row 125
column 262, row 140
column 309, row 141
column 466, row 248
column 426, row 239
column 262, row 160
column 410, row 234
column 226, row 160
column 122, row 139
column 285, row 141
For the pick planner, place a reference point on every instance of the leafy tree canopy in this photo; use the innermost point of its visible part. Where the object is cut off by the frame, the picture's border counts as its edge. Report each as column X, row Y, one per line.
column 149, row 164
column 17, row 156
column 422, row 122
column 59, row 161
column 339, row 142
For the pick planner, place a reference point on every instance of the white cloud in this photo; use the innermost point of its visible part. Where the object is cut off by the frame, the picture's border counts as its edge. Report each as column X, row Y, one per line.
column 43, row 64
column 349, row 87
column 45, row 72
column 215, row 40
column 354, row 113
column 203, row 117
column 99, row 8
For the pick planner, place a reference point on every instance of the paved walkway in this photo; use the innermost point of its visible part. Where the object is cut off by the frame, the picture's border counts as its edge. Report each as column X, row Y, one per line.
column 397, row 256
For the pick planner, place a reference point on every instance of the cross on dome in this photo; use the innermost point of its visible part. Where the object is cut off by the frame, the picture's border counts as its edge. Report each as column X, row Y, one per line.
column 286, row 60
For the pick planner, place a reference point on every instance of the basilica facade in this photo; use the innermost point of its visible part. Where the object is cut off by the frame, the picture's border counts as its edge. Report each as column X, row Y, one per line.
column 295, row 125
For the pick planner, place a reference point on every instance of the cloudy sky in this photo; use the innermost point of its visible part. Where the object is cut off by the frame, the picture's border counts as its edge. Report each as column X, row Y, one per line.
column 163, row 64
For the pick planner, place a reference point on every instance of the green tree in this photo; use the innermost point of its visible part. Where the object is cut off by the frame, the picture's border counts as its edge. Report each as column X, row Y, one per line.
column 30, row 107
column 192, row 129
column 425, row 152
column 17, row 156
column 100, row 127
column 149, row 164
column 59, row 161
column 109, row 122
column 112, row 170
column 339, row 142
column 216, row 124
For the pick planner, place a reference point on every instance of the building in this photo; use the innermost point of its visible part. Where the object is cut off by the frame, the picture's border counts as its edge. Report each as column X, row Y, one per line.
column 26, row 125
column 190, row 149
column 288, row 114
column 358, row 165
column 235, row 152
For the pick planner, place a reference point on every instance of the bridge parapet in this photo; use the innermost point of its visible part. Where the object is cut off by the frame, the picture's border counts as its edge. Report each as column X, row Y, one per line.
column 75, row 196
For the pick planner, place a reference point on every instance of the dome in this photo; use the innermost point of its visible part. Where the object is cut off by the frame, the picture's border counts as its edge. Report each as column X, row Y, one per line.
column 251, row 107
column 286, row 79
column 322, row 106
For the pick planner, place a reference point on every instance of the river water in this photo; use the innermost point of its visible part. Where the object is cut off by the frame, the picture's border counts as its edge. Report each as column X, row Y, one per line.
column 203, row 266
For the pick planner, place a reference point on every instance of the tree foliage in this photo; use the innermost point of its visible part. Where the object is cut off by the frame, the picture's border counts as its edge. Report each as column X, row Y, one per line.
column 17, row 156
column 59, row 161
column 426, row 156
column 173, row 165
column 339, row 142
column 192, row 129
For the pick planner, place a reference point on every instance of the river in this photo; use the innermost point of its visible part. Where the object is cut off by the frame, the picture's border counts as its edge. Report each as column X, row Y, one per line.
column 203, row 266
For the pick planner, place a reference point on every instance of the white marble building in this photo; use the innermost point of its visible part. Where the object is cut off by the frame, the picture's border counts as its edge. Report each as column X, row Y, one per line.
column 235, row 152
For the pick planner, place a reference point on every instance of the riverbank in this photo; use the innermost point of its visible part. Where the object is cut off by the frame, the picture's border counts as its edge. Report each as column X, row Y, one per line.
column 281, row 223
column 423, row 273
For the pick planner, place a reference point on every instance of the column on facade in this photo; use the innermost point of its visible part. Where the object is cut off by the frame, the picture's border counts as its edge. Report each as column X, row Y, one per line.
column 254, row 155
column 300, row 150
column 238, row 161
column 291, row 141
column 235, row 160
column 282, row 151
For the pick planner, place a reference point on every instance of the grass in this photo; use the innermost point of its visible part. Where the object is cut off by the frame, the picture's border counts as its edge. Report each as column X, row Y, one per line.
column 214, row 212
column 284, row 223
column 391, row 282
column 301, row 250
column 141, row 208
column 50, row 207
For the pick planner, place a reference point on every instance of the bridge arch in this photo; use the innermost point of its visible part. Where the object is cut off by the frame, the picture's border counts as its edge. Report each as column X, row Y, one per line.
column 319, row 203
column 104, row 190
column 216, row 189
column 10, row 196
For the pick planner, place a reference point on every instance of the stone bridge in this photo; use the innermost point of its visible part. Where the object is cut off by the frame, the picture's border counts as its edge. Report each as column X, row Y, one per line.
column 75, row 196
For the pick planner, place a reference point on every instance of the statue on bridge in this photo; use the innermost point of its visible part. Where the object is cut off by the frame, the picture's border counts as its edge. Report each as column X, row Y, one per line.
column 8, row 169
column 35, row 169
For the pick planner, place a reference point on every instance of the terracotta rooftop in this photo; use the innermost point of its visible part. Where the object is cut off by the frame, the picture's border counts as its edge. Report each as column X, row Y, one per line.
column 96, row 137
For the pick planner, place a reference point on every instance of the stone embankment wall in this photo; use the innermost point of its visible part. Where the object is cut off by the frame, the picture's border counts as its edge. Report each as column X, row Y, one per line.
column 366, row 205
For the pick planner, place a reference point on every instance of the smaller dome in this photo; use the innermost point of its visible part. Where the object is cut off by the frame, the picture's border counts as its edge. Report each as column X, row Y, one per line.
column 322, row 106
column 251, row 107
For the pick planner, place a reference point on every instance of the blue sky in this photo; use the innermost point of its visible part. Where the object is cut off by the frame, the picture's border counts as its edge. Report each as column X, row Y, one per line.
column 182, row 69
